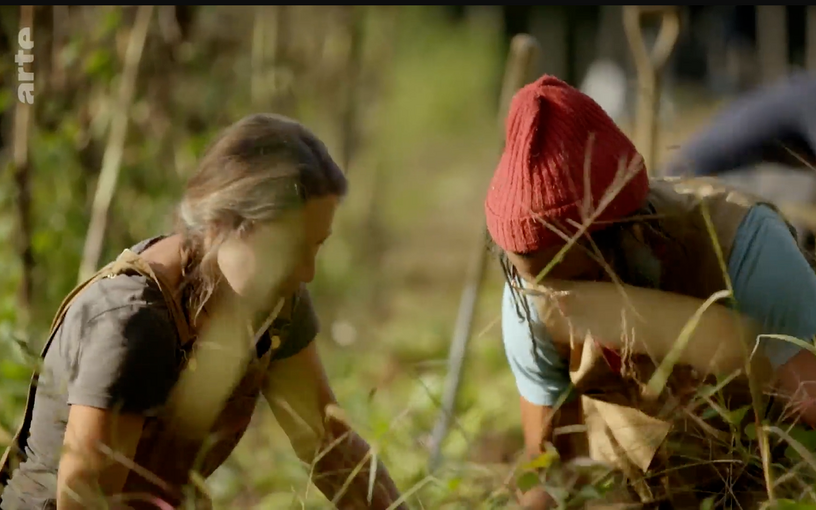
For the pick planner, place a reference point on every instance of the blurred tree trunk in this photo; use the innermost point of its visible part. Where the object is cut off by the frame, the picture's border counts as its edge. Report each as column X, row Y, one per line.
column 571, row 46
column 258, row 58
column 175, row 23
column 610, row 43
column 22, row 177
column 373, row 243
column 270, row 76
column 112, row 159
column 8, row 40
column 349, row 128
column 60, row 23
column 548, row 24
column 772, row 41
column 279, row 17
column 810, row 38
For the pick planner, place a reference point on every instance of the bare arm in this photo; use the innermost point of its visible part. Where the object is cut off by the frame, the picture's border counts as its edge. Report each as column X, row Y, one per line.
column 299, row 394
column 539, row 423
column 91, row 466
column 125, row 359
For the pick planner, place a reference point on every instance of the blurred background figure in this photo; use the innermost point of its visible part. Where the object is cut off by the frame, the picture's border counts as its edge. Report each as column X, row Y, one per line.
column 763, row 142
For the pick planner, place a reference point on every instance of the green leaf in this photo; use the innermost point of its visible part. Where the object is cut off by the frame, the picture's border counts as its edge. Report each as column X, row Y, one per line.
column 750, row 431
column 707, row 504
column 527, row 481
column 709, row 413
column 589, row 493
column 99, row 64
column 788, row 504
column 606, row 484
column 804, row 436
column 112, row 21
column 807, row 438
column 736, row 416
column 453, row 484
column 543, row 461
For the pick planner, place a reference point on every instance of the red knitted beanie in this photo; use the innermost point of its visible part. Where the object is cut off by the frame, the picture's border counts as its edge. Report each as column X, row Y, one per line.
column 559, row 142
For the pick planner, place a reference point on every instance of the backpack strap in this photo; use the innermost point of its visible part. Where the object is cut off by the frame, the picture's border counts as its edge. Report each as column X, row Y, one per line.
column 127, row 262
column 130, row 262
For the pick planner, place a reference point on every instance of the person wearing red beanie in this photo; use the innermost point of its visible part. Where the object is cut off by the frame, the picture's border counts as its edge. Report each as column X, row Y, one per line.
column 562, row 155
column 571, row 196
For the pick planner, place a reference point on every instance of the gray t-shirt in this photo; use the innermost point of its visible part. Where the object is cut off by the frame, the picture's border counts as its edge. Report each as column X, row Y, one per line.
column 117, row 348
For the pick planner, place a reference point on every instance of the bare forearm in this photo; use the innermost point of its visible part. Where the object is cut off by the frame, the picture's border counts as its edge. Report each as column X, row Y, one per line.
column 539, row 424
column 299, row 395
column 87, row 475
column 343, row 471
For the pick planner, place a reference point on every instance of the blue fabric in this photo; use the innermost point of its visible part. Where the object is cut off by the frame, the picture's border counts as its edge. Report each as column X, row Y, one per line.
column 773, row 283
column 542, row 376
column 750, row 126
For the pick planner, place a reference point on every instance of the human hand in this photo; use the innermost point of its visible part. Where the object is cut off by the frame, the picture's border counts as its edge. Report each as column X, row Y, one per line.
column 536, row 499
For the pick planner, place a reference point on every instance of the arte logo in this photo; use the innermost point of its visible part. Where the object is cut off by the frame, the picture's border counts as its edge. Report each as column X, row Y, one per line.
column 25, row 79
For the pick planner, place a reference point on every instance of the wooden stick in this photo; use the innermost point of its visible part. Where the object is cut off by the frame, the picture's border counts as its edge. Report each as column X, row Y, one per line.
column 519, row 68
column 349, row 126
column 649, row 66
column 112, row 159
column 22, row 179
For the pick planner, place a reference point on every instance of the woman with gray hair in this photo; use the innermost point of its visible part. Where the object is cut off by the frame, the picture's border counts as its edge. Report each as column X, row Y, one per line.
column 154, row 366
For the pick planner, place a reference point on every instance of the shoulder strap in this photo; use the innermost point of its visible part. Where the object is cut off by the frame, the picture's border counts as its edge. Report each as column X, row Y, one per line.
column 130, row 262
column 127, row 262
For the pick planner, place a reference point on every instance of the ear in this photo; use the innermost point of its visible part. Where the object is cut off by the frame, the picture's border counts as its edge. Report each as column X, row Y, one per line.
column 216, row 235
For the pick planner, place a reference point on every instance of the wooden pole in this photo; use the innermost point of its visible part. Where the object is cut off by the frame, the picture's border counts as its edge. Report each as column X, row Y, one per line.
column 518, row 71
column 649, row 66
column 349, row 125
column 115, row 148
column 810, row 38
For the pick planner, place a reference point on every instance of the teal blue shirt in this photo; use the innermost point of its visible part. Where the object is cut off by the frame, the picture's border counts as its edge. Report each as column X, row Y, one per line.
column 773, row 283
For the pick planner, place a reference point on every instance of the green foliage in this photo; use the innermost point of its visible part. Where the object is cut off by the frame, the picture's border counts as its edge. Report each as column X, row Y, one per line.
column 527, row 481
column 805, row 437
column 787, row 504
